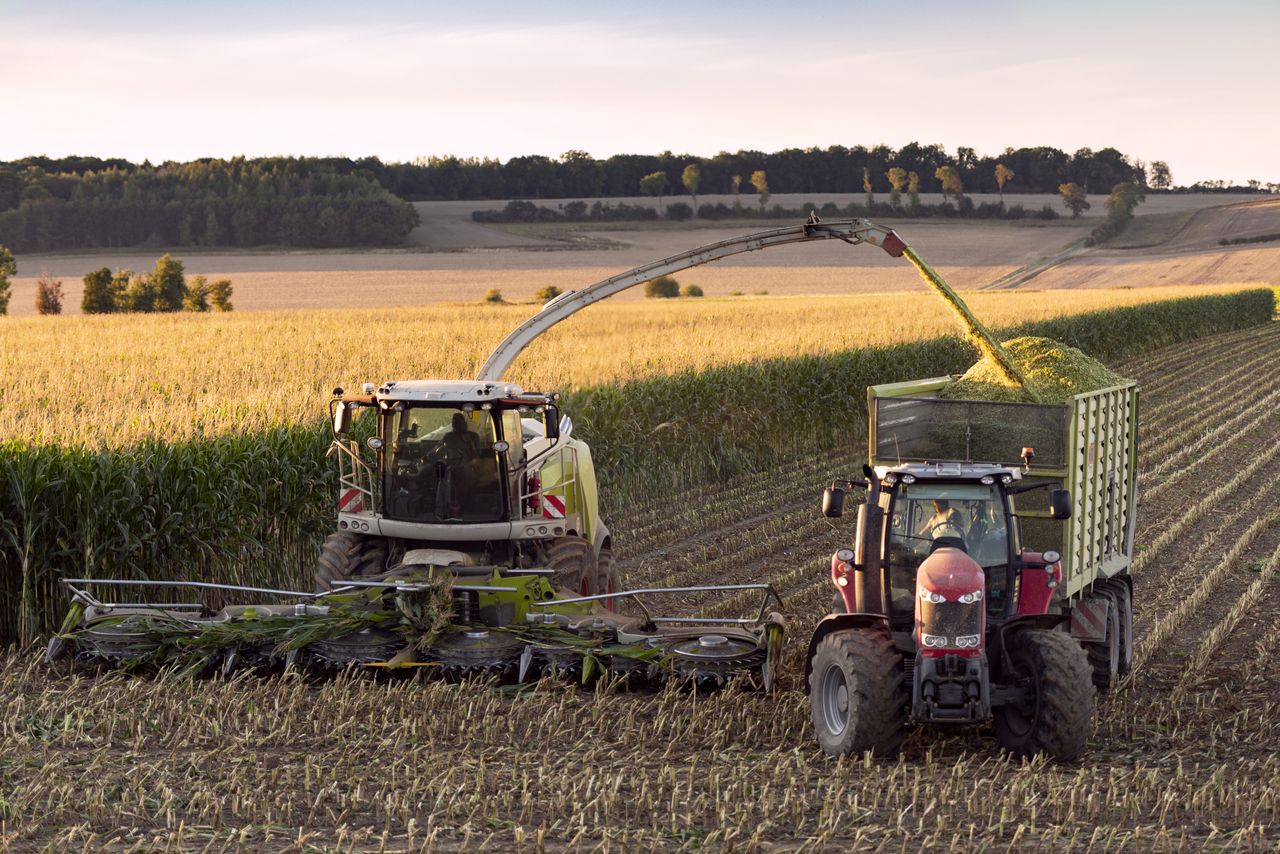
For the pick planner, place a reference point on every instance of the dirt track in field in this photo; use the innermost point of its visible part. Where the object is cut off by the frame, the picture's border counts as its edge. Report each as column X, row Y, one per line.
column 1182, row 758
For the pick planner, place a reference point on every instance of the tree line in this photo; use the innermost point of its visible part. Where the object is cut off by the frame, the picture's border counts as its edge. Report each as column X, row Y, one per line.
column 164, row 289
column 835, row 169
column 76, row 203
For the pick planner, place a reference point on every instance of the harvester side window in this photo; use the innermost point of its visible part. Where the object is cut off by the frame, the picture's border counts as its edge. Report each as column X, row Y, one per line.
column 442, row 466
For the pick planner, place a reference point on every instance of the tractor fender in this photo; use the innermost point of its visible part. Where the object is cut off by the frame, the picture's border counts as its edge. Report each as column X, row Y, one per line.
column 837, row 623
column 1006, row 634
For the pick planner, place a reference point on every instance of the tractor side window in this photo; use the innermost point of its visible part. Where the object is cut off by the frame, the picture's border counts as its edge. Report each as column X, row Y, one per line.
column 442, row 466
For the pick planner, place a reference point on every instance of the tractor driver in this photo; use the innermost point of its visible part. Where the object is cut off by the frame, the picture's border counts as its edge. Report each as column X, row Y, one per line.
column 945, row 521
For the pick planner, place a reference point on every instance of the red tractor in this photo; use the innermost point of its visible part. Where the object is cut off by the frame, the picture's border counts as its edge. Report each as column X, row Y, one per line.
column 971, row 596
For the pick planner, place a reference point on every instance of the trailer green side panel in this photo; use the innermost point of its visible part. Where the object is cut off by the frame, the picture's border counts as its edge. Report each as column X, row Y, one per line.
column 1087, row 446
column 1103, row 484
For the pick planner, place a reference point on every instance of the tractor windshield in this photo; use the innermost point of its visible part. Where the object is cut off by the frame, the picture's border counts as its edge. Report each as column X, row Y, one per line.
column 441, row 466
column 925, row 512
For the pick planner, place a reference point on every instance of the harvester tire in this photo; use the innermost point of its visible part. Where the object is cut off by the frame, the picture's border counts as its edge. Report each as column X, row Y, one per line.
column 574, row 562
column 345, row 556
column 608, row 580
column 857, row 693
column 1104, row 656
column 1058, row 716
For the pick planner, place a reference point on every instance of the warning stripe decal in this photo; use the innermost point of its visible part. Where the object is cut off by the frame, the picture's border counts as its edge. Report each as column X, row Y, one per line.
column 350, row 501
column 552, row 506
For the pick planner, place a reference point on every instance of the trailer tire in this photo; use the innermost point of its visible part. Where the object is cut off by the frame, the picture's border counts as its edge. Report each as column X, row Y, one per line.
column 574, row 564
column 1104, row 656
column 857, row 693
column 345, row 556
column 1058, row 718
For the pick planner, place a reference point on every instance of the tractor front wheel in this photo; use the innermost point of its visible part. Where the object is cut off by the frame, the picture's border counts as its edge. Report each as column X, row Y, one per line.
column 1056, row 716
column 345, row 556
column 574, row 564
column 857, row 696
column 608, row 578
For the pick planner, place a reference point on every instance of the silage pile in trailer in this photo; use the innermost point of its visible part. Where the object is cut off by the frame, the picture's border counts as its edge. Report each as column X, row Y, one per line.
column 1054, row 371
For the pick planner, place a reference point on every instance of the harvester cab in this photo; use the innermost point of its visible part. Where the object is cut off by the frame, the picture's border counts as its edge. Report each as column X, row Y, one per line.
column 464, row 473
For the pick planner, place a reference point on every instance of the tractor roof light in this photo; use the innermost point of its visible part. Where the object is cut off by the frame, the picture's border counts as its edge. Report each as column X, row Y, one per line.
column 1006, row 479
column 908, row 479
column 889, row 478
column 987, row 480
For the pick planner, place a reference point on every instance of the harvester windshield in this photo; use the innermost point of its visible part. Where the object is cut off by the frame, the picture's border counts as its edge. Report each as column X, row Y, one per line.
column 925, row 512
column 442, row 466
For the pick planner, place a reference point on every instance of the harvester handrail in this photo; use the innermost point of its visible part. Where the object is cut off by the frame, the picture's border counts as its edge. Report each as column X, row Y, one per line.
column 852, row 231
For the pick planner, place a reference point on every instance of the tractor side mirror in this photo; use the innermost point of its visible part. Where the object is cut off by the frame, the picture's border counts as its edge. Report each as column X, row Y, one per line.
column 1059, row 504
column 833, row 502
column 342, row 419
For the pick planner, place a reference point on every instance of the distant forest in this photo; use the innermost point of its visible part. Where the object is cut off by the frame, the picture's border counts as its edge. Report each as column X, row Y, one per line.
column 88, row 202
column 84, row 202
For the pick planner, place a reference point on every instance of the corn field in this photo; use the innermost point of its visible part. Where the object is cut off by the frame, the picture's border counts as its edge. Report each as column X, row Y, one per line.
column 252, row 506
column 1182, row 756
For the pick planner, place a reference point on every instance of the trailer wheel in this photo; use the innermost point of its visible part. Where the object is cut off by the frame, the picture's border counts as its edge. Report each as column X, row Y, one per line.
column 1104, row 657
column 857, row 695
column 1057, row 716
column 345, row 556
column 575, row 565
column 1124, row 605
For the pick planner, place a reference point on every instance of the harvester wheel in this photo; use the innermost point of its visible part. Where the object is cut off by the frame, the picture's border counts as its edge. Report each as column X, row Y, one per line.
column 1104, row 656
column 857, row 696
column 607, row 577
column 575, row 565
column 1057, row 716
column 346, row 555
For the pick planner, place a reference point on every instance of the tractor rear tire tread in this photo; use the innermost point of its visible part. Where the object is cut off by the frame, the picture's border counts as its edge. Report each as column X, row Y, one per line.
column 878, row 698
column 345, row 556
column 1064, row 714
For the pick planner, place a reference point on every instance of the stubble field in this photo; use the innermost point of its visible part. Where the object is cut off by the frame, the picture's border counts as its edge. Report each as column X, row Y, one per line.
column 1182, row 757
column 449, row 258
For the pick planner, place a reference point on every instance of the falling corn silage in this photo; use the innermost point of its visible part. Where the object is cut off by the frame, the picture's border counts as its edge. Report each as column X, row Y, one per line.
column 1054, row 373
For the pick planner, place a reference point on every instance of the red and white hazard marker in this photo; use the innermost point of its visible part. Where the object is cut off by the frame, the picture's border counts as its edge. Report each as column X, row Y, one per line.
column 552, row 506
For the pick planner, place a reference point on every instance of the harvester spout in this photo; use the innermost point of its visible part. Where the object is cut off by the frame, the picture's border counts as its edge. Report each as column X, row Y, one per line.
column 853, row 231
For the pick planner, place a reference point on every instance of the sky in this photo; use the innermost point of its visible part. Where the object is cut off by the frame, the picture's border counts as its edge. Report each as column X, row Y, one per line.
column 1190, row 84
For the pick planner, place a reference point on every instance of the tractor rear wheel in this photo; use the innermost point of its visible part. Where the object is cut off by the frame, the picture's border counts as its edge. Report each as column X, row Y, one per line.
column 857, row 695
column 574, row 562
column 345, row 556
column 1056, row 717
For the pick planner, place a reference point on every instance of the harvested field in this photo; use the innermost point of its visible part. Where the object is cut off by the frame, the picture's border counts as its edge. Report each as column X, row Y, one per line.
column 450, row 258
column 1182, row 757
